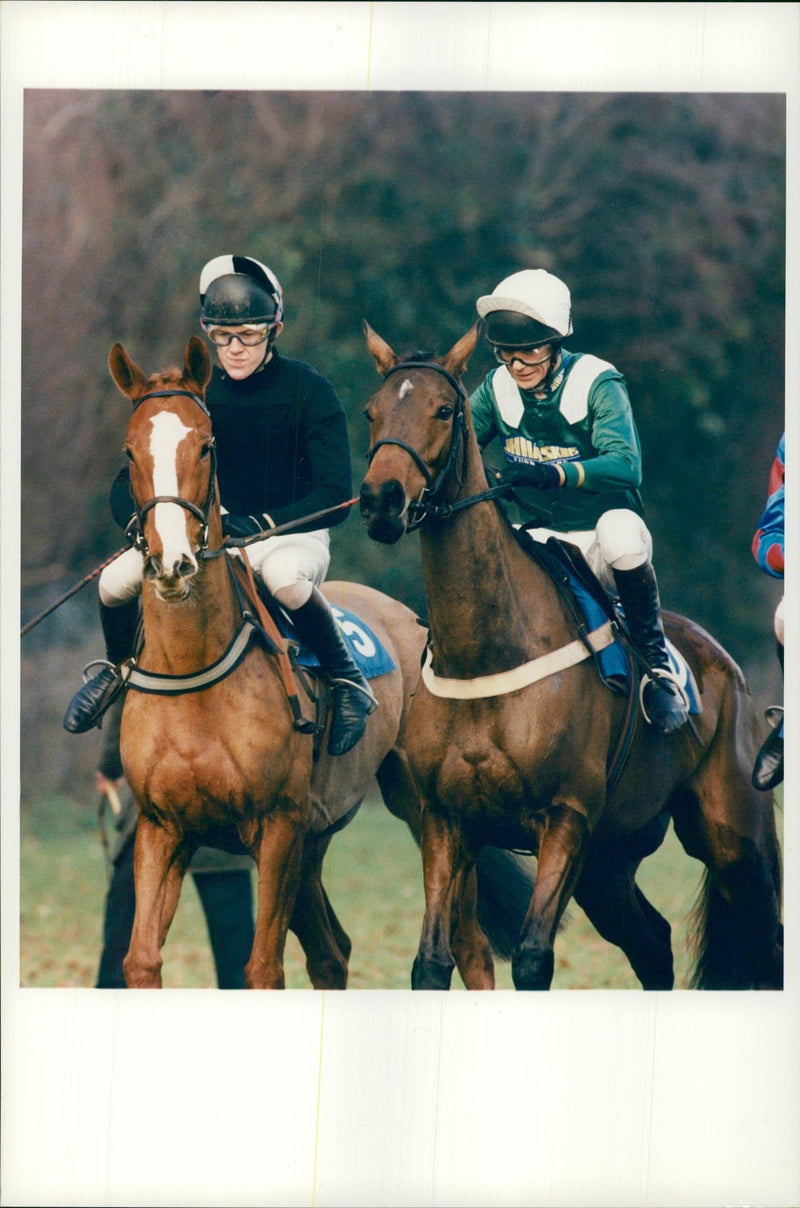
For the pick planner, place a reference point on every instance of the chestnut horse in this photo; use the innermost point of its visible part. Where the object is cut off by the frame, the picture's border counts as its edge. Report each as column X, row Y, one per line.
column 218, row 758
column 521, row 761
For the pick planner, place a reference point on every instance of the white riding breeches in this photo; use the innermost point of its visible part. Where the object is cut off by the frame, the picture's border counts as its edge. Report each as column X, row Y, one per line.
column 779, row 622
column 294, row 558
column 281, row 562
column 620, row 541
column 121, row 581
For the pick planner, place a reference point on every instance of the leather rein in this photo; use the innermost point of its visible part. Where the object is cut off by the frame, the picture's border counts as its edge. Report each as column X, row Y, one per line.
column 428, row 505
column 135, row 530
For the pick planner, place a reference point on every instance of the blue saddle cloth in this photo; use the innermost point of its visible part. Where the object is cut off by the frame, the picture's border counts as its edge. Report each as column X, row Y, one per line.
column 614, row 662
column 368, row 652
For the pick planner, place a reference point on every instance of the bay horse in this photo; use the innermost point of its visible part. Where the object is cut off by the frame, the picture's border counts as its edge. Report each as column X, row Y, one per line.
column 520, row 760
column 220, row 758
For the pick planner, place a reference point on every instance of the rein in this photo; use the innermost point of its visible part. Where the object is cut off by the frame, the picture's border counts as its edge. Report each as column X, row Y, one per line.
column 135, row 530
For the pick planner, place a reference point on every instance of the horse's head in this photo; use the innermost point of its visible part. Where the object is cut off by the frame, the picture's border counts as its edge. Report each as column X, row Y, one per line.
column 416, row 428
column 170, row 451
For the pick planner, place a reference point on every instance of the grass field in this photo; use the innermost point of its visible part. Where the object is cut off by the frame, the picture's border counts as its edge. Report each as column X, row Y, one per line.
column 373, row 877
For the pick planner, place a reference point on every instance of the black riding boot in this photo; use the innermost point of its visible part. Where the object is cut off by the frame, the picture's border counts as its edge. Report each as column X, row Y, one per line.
column 91, row 701
column 638, row 593
column 352, row 698
column 768, row 768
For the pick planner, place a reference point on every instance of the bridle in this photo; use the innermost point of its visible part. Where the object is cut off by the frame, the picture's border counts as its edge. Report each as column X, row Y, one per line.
column 427, row 504
column 135, row 530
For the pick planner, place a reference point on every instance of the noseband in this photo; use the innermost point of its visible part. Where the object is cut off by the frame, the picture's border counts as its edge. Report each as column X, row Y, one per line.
column 426, row 505
column 135, row 530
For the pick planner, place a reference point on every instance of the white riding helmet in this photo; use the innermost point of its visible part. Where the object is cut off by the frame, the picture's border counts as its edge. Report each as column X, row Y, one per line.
column 527, row 308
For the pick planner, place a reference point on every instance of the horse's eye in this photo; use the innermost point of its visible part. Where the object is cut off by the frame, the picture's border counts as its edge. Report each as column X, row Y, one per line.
column 367, row 415
column 206, row 449
column 445, row 412
column 128, row 453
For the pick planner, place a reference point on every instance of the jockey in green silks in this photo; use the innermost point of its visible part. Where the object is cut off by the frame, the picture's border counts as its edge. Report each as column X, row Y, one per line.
column 573, row 459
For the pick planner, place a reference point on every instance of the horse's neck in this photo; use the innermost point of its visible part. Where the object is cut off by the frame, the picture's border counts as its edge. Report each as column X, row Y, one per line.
column 187, row 636
column 490, row 606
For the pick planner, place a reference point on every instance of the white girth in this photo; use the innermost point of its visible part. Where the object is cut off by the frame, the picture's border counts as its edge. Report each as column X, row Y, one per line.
column 518, row 677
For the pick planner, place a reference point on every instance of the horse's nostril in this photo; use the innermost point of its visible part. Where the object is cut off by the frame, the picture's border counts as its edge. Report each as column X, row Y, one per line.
column 387, row 499
column 393, row 497
column 185, row 568
column 152, row 567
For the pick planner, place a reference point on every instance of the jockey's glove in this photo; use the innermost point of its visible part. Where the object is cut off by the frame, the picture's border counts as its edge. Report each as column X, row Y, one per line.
column 535, row 474
column 235, row 524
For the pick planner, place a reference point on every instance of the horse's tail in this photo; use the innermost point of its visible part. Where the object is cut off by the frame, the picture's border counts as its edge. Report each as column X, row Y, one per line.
column 736, row 948
column 505, row 889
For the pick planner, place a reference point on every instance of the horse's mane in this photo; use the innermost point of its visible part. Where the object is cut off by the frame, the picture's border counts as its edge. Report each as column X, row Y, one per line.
column 419, row 356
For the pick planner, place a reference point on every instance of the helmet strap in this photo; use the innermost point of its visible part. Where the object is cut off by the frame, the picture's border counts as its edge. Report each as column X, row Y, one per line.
column 552, row 368
column 269, row 345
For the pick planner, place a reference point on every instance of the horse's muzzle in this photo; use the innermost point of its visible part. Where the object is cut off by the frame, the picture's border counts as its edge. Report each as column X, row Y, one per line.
column 172, row 584
column 384, row 508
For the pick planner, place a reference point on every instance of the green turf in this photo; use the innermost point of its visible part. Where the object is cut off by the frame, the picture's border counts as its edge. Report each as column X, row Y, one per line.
column 373, row 877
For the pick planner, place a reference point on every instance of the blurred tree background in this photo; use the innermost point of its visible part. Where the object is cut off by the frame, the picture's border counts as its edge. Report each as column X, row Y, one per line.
column 665, row 214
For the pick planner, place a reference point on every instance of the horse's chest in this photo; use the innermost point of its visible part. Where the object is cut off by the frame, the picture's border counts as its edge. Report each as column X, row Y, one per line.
column 193, row 774
column 502, row 758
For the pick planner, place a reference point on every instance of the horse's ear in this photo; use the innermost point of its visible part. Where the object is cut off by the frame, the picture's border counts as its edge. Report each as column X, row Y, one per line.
column 126, row 374
column 197, row 363
column 385, row 357
column 456, row 360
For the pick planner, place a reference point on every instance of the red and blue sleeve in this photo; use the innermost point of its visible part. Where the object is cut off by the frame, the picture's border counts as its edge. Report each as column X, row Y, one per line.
column 768, row 541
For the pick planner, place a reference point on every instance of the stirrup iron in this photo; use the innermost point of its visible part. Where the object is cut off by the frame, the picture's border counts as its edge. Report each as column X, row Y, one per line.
column 661, row 673
column 364, row 689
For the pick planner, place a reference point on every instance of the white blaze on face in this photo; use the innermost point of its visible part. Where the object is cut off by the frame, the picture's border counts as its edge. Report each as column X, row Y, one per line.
column 406, row 388
column 169, row 518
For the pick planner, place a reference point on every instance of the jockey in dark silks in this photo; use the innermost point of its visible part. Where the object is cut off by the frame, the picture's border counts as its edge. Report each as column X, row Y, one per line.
column 282, row 453
column 768, row 551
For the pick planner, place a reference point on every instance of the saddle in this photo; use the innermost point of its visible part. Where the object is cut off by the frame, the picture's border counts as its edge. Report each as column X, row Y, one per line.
column 569, row 570
column 587, row 599
column 591, row 604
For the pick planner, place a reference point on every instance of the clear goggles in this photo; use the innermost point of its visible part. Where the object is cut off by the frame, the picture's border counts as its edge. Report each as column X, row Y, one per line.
column 249, row 334
column 529, row 356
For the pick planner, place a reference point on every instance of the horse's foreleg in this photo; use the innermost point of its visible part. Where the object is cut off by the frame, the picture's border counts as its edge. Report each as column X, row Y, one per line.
column 278, row 853
column 314, row 922
column 562, row 848
column 158, row 875
column 443, row 876
column 471, row 948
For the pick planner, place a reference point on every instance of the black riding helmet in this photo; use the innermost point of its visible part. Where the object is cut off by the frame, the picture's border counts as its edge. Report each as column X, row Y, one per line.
column 237, row 289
